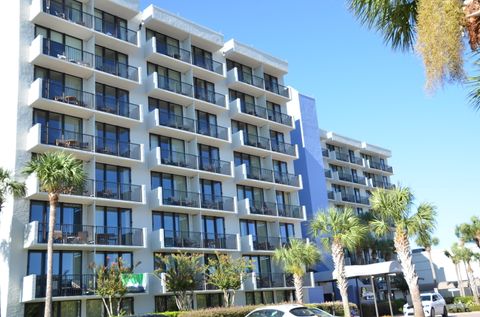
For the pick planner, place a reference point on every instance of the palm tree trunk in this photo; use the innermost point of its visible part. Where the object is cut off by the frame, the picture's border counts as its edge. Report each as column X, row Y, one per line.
column 471, row 280
column 459, row 280
column 298, row 282
column 339, row 266
column 405, row 257
column 432, row 268
column 53, row 199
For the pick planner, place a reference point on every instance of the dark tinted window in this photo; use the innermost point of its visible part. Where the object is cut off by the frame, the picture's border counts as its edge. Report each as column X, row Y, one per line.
column 301, row 311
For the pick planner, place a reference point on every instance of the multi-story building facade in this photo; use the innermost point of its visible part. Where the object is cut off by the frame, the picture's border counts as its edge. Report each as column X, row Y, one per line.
column 185, row 139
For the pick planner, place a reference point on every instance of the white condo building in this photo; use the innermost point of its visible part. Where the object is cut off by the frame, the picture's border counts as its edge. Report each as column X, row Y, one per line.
column 186, row 142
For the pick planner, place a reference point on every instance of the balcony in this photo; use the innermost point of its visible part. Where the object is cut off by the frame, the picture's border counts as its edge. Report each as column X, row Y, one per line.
column 251, row 144
column 171, row 125
column 379, row 183
column 76, row 285
column 215, row 166
column 174, row 200
column 207, row 69
column 279, row 117
column 291, row 211
column 260, row 116
column 115, row 110
column 124, row 39
column 49, row 95
column 42, row 139
column 190, row 240
column 244, row 82
column 254, row 176
column 262, row 209
column 285, row 149
column 356, row 160
column 84, row 237
column 169, row 89
column 173, row 162
column 378, row 165
column 277, row 89
column 58, row 16
column 167, row 55
column 84, row 195
column 341, row 156
column 116, row 74
column 60, row 57
column 111, row 150
column 286, row 181
column 221, row 203
column 212, row 134
column 209, row 97
column 276, row 280
column 119, row 191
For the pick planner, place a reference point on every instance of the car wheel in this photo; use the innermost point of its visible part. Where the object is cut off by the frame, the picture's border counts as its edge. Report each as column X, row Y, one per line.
column 445, row 311
column 432, row 313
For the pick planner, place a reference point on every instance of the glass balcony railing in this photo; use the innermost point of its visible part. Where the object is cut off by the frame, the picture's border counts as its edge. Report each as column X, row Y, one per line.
column 84, row 190
column 84, row 234
column 356, row 160
column 277, row 89
column 210, row 96
column 172, row 120
column 174, row 52
column 118, row 148
column 342, row 156
column 349, row 198
column 180, row 198
column 117, row 106
column 263, row 208
column 58, row 92
column 217, row 202
column 116, row 68
column 380, row 166
column 290, row 211
column 254, row 110
column 344, row 176
column 119, row 191
column 175, row 86
column 257, row 141
column 66, row 139
column 261, row 174
column 286, row 179
column 66, row 285
column 264, row 243
column 208, row 63
column 115, row 30
column 212, row 130
column 179, row 159
column 190, row 239
column 250, row 79
column 61, row 10
column 215, row 166
column 271, row 280
column 282, row 147
column 67, row 53
column 279, row 117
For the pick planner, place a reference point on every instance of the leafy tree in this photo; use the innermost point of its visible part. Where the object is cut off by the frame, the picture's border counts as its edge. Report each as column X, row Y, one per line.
column 58, row 173
column 111, row 287
column 340, row 230
column 466, row 256
column 9, row 186
column 392, row 211
column 227, row 274
column 183, row 274
column 425, row 240
column 296, row 257
column 469, row 232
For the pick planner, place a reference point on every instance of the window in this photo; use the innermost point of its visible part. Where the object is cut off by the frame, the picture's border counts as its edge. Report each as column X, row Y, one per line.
column 165, row 44
column 108, row 258
column 249, row 131
column 111, row 61
column 247, row 159
column 283, row 198
column 245, row 73
column 261, row 264
column 112, row 100
column 112, row 181
column 271, row 83
column 57, row 128
column 209, row 157
column 211, row 191
column 167, row 145
column 113, row 225
column 95, row 307
column 300, row 311
column 280, row 168
column 60, row 309
column 287, row 232
column 111, row 25
column 165, row 303
column 254, row 194
column 209, row 300
column 170, row 183
column 202, row 58
column 167, row 110
column 112, row 139
column 204, row 90
column 68, row 219
column 206, row 123
column 61, row 45
column 247, row 102
column 171, row 222
column 168, row 79
column 58, row 86
column 258, row 298
column 274, row 111
column 213, row 227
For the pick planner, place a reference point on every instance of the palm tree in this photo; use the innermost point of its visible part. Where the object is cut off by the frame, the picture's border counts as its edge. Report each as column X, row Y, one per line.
column 392, row 211
column 456, row 261
column 466, row 256
column 469, row 232
column 425, row 240
column 58, row 173
column 296, row 257
column 9, row 186
column 340, row 230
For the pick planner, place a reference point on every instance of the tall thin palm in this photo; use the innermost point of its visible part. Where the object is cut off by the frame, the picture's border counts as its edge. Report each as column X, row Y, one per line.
column 426, row 241
column 9, row 186
column 465, row 255
column 58, row 173
column 456, row 261
column 296, row 257
column 339, row 230
column 392, row 211
column 469, row 232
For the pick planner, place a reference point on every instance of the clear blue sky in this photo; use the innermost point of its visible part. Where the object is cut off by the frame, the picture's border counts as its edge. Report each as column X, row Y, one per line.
column 363, row 90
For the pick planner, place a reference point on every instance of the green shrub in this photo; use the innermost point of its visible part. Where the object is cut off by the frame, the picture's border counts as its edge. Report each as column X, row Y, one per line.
column 171, row 313
column 334, row 308
column 474, row 308
column 236, row 311
column 467, row 300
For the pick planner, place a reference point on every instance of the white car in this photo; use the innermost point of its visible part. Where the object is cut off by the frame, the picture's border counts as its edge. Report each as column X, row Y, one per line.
column 433, row 304
column 287, row 310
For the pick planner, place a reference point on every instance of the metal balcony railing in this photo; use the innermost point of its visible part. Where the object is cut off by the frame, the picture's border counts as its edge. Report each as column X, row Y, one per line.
column 180, row 198
column 265, row 243
column 180, row 159
column 175, row 86
column 215, row 166
column 190, row 239
column 117, row 106
column 263, row 208
column 283, row 147
column 116, row 68
column 66, row 139
column 173, row 51
column 119, row 191
column 115, row 30
column 208, row 63
column 291, row 211
column 286, row 179
column 261, row 174
column 212, row 130
column 58, row 92
column 59, row 9
column 277, row 89
column 118, row 148
column 67, row 53
column 250, row 79
column 257, row 141
column 279, row 117
column 270, row 280
column 217, row 202
column 210, row 96
column 253, row 109
column 177, row 122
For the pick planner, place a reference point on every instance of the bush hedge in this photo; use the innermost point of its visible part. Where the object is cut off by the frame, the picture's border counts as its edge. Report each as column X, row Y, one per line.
column 334, row 308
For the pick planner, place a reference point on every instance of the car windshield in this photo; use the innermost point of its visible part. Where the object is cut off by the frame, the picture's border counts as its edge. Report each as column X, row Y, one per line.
column 302, row 311
column 426, row 297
